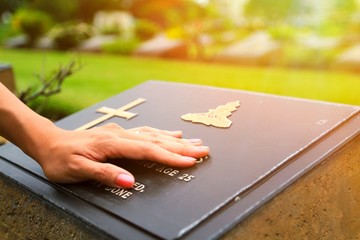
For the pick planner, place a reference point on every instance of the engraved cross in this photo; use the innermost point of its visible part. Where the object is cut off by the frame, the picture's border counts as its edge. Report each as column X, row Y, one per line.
column 110, row 112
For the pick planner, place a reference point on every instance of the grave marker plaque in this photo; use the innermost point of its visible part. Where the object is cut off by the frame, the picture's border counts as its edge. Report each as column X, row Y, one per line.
column 270, row 143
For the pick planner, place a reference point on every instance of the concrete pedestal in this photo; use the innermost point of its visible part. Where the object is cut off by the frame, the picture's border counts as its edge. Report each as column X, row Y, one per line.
column 323, row 204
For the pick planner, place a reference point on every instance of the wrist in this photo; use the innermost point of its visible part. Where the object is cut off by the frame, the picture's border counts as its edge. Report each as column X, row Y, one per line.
column 40, row 138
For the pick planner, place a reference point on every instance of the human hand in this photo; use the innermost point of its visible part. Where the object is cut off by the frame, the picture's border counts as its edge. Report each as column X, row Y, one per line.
column 74, row 156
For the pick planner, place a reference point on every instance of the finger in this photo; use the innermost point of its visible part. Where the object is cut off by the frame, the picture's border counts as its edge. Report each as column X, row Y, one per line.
column 142, row 150
column 139, row 133
column 176, row 145
column 151, row 133
column 176, row 134
column 107, row 174
column 157, row 137
column 156, row 148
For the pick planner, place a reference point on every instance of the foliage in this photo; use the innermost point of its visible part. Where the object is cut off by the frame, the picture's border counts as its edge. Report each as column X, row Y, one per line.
column 146, row 29
column 205, row 28
column 164, row 13
column 10, row 5
column 49, row 84
column 110, row 30
column 269, row 10
column 88, row 8
column 5, row 30
column 184, row 14
column 59, row 10
column 121, row 46
column 69, row 35
column 32, row 23
column 339, row 19
column 344, row 8
column 283, row 32
column 351, row 34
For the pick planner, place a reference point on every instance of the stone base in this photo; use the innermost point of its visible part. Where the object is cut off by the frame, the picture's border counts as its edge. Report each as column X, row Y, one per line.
column 25, row 216
column 323, row 204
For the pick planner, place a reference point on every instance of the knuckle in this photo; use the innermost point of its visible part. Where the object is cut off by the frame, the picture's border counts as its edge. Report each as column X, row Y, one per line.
column 155, row 141
column 73, row 167
column 183, row 149
column 102, row 139
column 102, row 173
column 154, row 135
column 112, row 126
column 104, row 136
column 145, row 129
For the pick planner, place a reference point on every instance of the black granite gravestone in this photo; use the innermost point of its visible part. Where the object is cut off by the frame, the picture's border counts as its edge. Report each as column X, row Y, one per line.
column 271, row 142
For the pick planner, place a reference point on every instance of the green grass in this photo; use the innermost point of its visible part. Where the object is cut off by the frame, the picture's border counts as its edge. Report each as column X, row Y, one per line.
column 105, row 75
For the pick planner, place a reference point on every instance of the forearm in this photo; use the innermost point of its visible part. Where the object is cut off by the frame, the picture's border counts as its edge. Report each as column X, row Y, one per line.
column 21, row 126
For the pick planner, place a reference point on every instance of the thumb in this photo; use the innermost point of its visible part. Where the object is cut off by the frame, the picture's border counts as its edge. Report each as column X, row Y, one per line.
column 109, row 174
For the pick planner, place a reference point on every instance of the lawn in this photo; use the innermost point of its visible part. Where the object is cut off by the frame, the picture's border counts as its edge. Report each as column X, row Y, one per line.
column 102, row 76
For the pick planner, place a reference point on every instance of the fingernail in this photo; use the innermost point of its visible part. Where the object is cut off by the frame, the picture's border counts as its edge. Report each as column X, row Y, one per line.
column 189, row 159
column 195, row 141
column 125, row 180
column 202, row 148
column 177, row 133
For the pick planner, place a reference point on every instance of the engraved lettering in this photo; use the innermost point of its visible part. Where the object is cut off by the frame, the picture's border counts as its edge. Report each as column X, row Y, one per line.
column 160, row 169
column 200, row 160
column 121, row 192
column 149, row 164
column 171, row 172
column 168, row 171
column 126, row 195
column 186, row 177
column 139, row 187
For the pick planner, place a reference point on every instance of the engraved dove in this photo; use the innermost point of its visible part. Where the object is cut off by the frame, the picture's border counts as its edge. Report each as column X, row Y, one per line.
column 217, row 117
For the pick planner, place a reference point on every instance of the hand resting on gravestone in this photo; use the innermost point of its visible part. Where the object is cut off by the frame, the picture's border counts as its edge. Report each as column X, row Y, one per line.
column 74, row 156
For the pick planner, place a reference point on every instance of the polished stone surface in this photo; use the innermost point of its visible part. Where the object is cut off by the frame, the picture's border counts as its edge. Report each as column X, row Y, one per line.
column 272, row 142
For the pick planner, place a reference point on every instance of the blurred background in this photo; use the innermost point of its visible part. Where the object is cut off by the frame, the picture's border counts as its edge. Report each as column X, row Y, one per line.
column 80, row 52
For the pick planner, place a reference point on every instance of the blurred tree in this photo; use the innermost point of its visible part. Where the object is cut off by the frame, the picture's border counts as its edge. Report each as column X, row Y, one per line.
column 32, row 23
column 59, row 10
column 271, row 11
column 158, row 11
column 339, row 20
column 164, row 13
column 343, row 10
column 87, row 8
column 10, row 5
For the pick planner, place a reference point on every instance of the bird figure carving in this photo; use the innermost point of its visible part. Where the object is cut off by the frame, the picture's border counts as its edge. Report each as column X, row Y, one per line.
column 217, row 117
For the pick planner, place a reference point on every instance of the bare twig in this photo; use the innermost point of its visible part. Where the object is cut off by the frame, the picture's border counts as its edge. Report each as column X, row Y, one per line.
column 49, row 85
